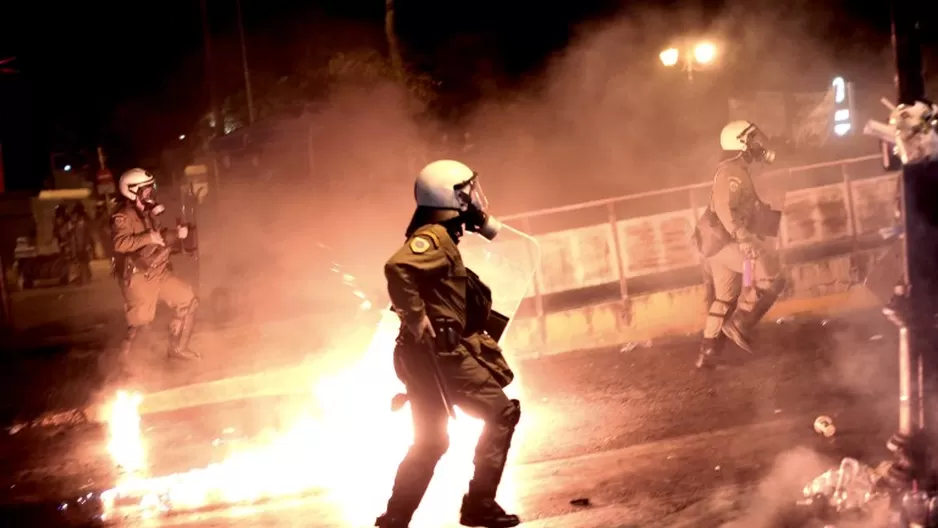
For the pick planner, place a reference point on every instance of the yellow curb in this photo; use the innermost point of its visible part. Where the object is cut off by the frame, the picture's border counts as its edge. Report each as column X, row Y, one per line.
column 297, row 380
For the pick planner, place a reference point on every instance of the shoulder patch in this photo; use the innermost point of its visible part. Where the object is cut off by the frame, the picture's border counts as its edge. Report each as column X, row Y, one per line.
column 734, row 184
column 119, row 220
column 420, row 244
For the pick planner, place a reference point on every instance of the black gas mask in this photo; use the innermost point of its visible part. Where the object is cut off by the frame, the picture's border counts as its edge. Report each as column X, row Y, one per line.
column 757, row 142
column 147, row 196
column 474, row 212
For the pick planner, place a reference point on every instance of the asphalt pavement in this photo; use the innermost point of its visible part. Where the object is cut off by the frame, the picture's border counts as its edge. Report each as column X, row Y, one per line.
column 609, row 438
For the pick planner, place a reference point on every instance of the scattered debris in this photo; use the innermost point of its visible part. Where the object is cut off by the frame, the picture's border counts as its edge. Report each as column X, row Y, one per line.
column 59, row 419
column 824, row 425
column 630, row 346
column 581, row 502
column 849, row 489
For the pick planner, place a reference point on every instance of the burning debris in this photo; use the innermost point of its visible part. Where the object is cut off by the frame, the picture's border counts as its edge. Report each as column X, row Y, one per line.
column 345, row 456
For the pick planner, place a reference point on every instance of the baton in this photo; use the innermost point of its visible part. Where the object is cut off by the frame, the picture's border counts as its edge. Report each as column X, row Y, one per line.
column 440, row 382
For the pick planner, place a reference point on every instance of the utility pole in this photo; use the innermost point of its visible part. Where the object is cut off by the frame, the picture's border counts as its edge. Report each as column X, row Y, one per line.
column 244, row 65
column 210, row 71
column 913, row 306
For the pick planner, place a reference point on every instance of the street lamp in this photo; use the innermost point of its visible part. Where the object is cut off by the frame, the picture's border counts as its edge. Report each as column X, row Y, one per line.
column 700, row 54
column 669, row 57
column 705, row 52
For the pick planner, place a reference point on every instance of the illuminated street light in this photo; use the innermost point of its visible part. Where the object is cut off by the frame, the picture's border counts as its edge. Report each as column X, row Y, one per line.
column 705, row 52
column 68, row 168
column 182, row 137
column 669, row 57
column 690, row 56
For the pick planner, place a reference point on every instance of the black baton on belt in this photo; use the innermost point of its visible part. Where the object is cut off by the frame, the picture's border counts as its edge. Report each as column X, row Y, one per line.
column 438, row 374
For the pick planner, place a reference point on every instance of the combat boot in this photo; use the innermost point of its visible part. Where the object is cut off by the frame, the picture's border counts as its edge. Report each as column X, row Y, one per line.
column 737, row 328
column 485, row 513
column 742, row 322
column 387, row 521
column 709, row 352
column 180, row 332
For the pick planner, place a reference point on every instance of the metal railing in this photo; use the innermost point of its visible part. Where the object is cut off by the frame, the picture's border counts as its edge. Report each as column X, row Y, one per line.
column 688, row 201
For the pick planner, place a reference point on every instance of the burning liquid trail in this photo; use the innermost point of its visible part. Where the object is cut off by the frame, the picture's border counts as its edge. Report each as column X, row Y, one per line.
column 349, row 453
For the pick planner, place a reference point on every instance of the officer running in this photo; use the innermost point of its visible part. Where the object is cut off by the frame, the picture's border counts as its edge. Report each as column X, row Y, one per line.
column 732, row 230
column 141, row 263
column 447, row 352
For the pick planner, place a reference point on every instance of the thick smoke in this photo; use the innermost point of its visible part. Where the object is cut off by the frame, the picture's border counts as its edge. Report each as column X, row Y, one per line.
column 604, row 118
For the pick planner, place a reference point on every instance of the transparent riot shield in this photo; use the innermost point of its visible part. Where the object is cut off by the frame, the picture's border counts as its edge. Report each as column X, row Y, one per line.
column 506, row 265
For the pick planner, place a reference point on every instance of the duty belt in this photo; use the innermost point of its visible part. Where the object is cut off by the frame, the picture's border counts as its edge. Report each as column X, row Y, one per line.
column 448, row 333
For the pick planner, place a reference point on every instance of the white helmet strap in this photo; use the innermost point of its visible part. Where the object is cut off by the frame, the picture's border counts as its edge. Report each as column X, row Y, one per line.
column 743, row 136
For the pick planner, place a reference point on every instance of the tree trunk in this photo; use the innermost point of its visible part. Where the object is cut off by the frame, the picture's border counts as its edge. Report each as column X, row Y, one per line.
column 394, row 46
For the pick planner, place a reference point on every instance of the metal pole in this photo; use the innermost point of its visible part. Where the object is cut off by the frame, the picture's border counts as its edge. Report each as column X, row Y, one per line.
column 906, row 43
column 244, row 65
column 617, row 249
column 538, row 296
column 912, row 308
column 6, row 307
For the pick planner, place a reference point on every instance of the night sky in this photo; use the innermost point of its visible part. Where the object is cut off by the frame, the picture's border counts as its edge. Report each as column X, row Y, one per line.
column 113, row 72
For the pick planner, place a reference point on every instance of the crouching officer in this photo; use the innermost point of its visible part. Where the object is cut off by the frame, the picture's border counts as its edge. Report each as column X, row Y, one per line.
column 447, row 352
column 142, row 265
column 731, row 231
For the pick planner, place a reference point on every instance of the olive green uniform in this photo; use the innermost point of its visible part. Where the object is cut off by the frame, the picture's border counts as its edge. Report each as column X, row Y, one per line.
column 427, row 276
column 145, row 274
column 736, row 211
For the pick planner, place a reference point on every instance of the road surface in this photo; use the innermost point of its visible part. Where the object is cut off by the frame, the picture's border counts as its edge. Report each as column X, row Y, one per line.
column 638, row 435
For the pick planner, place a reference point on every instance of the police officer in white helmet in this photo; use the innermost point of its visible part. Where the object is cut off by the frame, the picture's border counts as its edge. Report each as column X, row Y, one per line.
column 142, row 265
column 732, row 231
column 447, row 321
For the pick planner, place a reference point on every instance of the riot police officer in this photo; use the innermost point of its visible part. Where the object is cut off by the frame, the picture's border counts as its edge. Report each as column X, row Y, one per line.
column 141, row 263
column 446, row 354
column 731, row 231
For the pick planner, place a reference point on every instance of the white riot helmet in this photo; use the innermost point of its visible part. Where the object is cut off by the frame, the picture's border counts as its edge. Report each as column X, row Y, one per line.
column 448, row 184
column 139, row 184
column 745, row 137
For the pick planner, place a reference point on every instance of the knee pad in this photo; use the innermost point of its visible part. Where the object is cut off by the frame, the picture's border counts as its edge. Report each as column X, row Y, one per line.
column 720, row 308
column 511, row 414
column 193, row 304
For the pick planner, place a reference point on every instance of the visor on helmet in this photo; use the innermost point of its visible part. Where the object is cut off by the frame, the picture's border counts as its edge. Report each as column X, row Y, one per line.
column 470, row 193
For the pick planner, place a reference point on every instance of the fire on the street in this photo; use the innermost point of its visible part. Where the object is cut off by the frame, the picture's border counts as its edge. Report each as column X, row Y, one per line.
column 346, row 453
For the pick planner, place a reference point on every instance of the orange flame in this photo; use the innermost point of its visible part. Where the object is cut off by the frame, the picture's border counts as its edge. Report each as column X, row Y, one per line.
column 349, row 452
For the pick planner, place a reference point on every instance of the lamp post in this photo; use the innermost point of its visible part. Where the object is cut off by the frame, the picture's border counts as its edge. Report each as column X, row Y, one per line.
column 691, row 58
